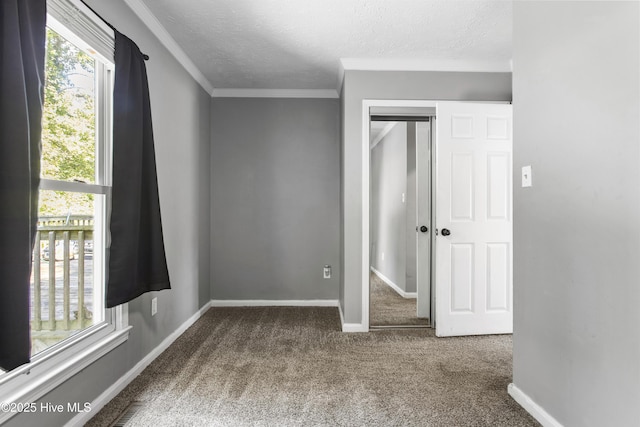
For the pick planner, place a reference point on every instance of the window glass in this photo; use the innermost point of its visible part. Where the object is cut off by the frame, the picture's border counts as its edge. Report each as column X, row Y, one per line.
column 64, row 275
column 67, row 279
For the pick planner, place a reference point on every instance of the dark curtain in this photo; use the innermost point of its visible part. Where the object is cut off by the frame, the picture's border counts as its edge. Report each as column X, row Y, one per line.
column 22, row 52
column 137, row 262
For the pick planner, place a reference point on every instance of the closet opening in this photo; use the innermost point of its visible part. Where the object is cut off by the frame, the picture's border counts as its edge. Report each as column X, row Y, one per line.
column 400, row 217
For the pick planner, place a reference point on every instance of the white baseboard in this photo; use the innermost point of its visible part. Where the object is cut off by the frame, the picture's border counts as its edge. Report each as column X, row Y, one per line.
column 274, row 303
column 118, row 386
column 393, row 286
column 354, row 327
column 532, row 407
column 346, row 327
column 351, row 327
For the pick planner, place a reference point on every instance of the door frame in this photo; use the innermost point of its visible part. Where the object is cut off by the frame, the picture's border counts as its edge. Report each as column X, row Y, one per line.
column 366, row 197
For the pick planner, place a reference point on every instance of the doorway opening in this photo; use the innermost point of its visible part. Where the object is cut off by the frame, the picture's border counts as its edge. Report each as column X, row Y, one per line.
column 466, row 222
column 400, row 217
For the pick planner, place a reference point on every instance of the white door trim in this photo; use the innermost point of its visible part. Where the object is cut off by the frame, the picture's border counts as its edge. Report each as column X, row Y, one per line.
column 366, row 105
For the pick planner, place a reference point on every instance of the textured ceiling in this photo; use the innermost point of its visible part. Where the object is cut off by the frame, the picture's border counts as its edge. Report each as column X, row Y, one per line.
column 298, row 44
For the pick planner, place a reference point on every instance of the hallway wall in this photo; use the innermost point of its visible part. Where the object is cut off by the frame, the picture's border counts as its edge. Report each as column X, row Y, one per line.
column 576, row 91
column 388, row 210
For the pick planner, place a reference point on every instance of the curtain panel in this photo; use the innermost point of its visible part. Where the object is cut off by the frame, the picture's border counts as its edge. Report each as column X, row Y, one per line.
column 137, row 261
column 22, row 56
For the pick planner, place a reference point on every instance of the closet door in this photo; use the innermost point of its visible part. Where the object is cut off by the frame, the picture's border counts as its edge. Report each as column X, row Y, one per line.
column 423, row 215
column 473, row 220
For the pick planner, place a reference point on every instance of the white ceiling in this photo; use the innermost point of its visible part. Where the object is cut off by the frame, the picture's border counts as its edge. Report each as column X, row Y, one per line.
column 299, row 44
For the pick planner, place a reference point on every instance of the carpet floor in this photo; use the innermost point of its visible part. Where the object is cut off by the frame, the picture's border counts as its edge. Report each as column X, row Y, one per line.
column 292, row 366
column 387, row 308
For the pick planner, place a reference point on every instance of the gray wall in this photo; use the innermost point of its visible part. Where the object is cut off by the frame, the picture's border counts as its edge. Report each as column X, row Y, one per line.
column 387, row 211
column 180, row 111
column 576, row 342
column 359, row 85
column 275, row 205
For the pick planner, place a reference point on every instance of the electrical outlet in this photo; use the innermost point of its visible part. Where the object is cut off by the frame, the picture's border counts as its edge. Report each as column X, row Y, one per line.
column 382, row 256
column 327, row 272
column 154, row 306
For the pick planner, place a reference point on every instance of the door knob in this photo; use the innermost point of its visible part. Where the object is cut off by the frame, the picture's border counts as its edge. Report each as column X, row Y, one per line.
column 445, row 232
column 424, row 228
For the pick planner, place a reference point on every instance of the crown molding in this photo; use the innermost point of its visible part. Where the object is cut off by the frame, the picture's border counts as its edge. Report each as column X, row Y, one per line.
column 149, row 19
column 275, row 93
column 416, row 64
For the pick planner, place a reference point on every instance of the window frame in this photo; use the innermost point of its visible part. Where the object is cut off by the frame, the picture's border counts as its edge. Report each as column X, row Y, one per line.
column 56, row 364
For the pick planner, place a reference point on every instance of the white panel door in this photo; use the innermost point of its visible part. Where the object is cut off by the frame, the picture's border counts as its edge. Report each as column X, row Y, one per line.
column 473, row 219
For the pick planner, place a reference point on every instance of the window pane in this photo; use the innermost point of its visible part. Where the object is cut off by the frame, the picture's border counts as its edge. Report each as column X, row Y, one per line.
column 66, row 279
column 68, row 126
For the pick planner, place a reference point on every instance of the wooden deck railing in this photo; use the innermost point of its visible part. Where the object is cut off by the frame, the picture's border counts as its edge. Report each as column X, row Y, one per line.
column 59, row 240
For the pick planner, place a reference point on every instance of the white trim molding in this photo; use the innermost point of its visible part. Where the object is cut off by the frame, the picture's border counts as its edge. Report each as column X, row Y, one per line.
column 275, row 93
column 346, row 327
column 420, row 64
column 354, row 327
column 351, row 327
column 366, row 156
column 389, row 282
column 73, row 186
column 532, row 407
column 274, row 303
column 83, row 417
column 149, row 19
column 64, row 368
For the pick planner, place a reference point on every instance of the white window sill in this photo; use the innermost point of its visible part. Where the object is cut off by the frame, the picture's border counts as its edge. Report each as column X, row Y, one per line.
column 25, row 385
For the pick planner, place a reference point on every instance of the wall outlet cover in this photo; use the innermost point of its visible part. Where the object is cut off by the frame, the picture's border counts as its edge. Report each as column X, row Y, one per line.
column 154, row 306
column 326, row 273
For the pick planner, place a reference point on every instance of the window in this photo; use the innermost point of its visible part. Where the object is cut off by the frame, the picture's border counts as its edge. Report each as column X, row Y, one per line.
column 70, row 327
column 68, row 258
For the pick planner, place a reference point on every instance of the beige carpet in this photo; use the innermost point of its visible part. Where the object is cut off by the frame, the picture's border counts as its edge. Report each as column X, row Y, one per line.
column 387, row 308
column 284, row 366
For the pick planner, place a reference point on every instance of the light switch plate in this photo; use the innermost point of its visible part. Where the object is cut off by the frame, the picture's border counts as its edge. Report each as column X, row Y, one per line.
column 526, row 176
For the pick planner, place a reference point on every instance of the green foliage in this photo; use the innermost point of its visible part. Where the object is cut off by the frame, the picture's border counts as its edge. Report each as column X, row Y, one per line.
column 68, row 126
